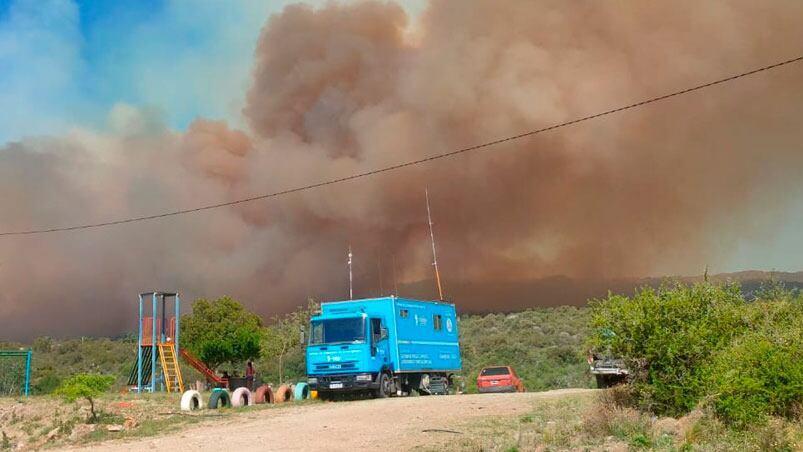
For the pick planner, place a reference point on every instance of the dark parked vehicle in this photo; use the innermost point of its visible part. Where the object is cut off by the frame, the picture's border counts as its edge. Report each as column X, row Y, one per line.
column 607, row 371
column 499, row 379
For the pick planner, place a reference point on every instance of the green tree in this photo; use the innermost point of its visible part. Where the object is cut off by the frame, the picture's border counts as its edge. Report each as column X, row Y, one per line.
column 221, row 331
column 282, row 344
column 86, row 386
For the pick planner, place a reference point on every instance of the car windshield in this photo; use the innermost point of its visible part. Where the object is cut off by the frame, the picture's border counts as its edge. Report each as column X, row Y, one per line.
column 332, row 331
column 489, row 371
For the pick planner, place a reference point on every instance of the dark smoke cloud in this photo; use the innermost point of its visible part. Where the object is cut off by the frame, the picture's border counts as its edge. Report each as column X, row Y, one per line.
column 663, row 189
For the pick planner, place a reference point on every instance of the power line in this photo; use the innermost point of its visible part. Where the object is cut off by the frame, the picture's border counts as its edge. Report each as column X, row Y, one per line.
column 408, row 163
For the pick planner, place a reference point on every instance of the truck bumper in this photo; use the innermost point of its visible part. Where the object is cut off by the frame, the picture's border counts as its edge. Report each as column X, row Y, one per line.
column 343, row 383
column 494, row 389
column 609, row 371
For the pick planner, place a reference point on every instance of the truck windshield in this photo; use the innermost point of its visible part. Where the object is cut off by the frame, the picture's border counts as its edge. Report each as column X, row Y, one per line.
column 331, row 331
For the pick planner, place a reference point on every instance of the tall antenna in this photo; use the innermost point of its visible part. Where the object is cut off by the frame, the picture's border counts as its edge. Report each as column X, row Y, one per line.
column 434, row 254
column 395, row 281
column 351, row 286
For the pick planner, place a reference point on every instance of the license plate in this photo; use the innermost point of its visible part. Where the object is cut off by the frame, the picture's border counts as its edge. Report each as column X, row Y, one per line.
column 336, row 385
column 494, row 382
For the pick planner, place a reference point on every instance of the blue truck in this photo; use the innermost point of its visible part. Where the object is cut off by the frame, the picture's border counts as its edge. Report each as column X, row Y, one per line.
column 383, row 346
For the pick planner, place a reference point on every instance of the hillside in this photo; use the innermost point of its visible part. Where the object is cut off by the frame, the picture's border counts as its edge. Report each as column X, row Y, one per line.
column 512, row 296
column 544, row 345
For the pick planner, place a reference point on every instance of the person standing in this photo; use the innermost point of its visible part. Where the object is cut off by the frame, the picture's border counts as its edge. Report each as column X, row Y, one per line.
column 250, row 373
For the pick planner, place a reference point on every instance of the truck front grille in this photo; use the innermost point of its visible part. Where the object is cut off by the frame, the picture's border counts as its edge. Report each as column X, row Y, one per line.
column 339, row 366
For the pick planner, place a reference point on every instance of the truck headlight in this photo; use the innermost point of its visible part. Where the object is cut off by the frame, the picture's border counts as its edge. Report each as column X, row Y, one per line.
column 364, row 377
column 312, row 380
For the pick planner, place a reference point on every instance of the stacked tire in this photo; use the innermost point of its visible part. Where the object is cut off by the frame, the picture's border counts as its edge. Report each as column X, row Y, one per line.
column 192, row 400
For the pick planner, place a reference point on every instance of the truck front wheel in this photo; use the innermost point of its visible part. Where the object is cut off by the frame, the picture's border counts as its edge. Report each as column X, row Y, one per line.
column 384, row 386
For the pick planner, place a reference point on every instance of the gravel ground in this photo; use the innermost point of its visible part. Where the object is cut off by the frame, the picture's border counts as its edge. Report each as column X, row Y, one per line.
column 395, row 423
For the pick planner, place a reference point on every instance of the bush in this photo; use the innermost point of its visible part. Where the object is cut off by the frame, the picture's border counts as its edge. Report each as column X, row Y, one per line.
column 46, row 381
column 704, row 343
column 619, row 396
column 621, row 423
column 86, row 386
column 761, row 373
column 667, row 337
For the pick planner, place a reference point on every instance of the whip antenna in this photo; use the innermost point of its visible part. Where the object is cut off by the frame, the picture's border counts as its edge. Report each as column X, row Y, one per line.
column 351, row 287
column 434, row 254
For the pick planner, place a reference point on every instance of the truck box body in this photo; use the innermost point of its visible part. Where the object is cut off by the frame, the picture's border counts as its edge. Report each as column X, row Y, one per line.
column 388, row 335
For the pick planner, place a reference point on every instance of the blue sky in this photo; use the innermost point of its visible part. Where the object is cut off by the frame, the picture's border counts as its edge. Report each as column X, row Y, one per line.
column 66, row 63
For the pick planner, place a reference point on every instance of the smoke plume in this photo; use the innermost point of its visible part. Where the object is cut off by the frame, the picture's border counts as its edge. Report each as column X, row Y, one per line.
column 346, row 88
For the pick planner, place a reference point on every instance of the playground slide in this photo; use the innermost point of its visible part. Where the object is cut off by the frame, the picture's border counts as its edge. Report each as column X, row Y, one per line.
column 196, row 363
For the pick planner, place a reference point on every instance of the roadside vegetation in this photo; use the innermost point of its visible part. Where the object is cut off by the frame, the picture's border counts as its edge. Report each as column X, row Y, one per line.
column 599, row 421
column 544, row 346
column 707, row 353
column 711, row 369
column 49, row 421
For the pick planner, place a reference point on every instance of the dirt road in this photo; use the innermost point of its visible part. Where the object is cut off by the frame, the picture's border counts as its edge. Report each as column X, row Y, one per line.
column 396, row 424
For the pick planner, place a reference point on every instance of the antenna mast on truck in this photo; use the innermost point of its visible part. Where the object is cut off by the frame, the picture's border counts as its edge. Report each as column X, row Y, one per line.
column 351, row 287
column 434, row 254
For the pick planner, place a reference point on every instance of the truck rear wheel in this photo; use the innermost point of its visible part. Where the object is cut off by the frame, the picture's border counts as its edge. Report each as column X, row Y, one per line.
column 601, row 382
column 607, row 381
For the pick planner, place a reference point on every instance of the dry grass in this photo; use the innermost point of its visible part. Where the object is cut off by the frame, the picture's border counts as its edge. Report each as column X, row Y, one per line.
column 603, row 421
column 45, row 421
column 551, row 424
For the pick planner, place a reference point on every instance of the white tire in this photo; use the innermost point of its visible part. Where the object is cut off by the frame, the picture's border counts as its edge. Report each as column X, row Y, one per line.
column 191, row 400
column 241, row 397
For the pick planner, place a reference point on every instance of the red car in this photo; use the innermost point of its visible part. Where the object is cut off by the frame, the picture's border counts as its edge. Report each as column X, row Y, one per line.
column 499, row 379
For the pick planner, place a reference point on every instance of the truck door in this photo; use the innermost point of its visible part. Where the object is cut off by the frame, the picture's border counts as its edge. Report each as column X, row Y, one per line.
column 379, row 341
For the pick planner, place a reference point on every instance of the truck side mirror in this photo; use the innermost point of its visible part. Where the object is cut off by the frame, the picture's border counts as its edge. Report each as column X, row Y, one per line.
column 301, row 338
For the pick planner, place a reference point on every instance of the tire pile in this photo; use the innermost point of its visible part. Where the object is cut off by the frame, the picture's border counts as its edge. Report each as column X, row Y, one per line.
column 192, row 400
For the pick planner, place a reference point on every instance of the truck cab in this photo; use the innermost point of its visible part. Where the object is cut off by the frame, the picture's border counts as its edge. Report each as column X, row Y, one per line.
column 382, row 346
column 347, row 351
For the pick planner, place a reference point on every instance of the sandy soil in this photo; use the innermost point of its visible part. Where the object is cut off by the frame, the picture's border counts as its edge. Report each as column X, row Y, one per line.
column 396, row 424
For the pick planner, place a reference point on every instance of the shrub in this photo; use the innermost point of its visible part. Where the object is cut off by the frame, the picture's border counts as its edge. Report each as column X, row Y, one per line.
column 667, row 336
column 761, row 373
column 705, row 343
column 622, row 423
column 46, row 381
column 86, row 386
column 619, row 396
